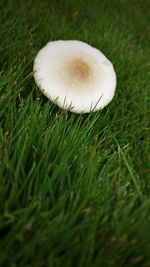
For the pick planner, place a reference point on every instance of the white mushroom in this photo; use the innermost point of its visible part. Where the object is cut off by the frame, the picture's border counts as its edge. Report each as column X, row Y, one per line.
column 75, row 75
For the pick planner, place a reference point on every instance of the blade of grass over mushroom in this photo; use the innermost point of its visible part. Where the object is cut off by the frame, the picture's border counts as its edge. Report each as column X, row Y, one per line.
column 74, row 188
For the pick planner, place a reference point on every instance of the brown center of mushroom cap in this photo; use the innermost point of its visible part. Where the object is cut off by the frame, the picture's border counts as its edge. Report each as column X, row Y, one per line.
column 80, row 68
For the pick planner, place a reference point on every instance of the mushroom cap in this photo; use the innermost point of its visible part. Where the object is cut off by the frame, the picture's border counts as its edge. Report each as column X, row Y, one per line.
column 75, row 76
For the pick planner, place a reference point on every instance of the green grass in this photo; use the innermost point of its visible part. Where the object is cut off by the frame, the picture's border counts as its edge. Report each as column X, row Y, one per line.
column 74, row 189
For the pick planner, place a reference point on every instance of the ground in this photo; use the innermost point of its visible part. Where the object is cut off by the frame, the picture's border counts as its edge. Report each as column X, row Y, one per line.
column 74, row 189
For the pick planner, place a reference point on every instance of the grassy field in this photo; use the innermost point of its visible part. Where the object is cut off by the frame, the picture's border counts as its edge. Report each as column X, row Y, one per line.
column 74, row 189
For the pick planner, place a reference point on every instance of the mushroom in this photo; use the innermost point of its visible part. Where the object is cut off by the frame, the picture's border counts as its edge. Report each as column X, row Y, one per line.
column 75, row 76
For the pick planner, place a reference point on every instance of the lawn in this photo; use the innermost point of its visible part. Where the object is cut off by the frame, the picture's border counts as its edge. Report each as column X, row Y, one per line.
column 74, row 188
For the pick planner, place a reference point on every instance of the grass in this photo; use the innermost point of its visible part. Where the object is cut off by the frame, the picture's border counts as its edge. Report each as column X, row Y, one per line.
column 74, row 189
